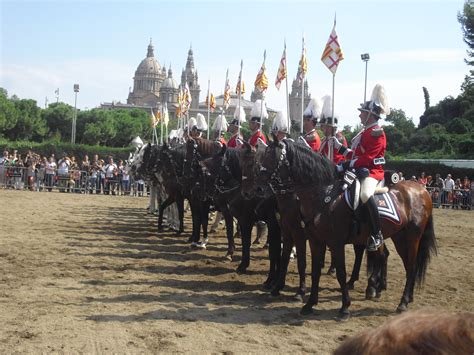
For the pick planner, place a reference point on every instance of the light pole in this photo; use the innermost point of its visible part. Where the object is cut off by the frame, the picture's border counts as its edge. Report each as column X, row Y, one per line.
column 74, row 118
column 365, row 57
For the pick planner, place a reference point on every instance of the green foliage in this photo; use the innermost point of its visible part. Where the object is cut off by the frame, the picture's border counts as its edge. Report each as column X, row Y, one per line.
column 466, row 19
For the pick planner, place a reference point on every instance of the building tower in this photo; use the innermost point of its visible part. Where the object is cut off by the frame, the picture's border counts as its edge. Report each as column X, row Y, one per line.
column 190, row 75
column 295, row 99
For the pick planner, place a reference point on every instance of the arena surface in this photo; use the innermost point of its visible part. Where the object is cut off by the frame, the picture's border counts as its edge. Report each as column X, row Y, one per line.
column 90, row 274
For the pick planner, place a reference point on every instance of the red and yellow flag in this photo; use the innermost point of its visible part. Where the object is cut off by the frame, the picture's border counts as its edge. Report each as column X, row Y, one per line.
column 282, row 72
column 261, row 82
column 303, row 64
column 240, row 88
column 212, row 103
column 332, row 53
column 227, row 94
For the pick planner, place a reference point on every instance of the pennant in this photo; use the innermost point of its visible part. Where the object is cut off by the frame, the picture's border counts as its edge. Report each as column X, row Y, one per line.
column 212, row 103
column 240, row 88
column 166, row 116
column 332, row 53
column 227, row 92
column 303, row 64
column 261, row 82
column 155, row 118
column 281, row 75
column 179, row 109
column 187, row 98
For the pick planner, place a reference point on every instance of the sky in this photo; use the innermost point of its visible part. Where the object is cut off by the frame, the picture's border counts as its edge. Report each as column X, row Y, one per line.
column 50, row 44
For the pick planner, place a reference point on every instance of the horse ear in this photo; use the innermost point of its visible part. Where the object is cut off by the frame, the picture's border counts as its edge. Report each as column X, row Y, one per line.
column 247, row 147
column 275, row 138
column 223, row 150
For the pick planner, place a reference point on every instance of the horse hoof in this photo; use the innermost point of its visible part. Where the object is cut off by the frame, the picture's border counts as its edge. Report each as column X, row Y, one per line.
column 306, row 310
column 378, row 294
column 241, row 269
column 228, row 256
column 370, row 293
column 256, row 241
column 331, row 271
column 350, row 285
column 275, row 292
column 298, row 297
column 343, row 316
column 402, row 308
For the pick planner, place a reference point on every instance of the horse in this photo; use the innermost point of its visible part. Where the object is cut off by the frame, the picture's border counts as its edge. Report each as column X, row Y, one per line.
column 420, row 332
column 327, row 219
column 225, row 167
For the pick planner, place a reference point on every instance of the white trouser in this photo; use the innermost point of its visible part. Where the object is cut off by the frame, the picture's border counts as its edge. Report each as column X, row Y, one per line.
column 367, row 188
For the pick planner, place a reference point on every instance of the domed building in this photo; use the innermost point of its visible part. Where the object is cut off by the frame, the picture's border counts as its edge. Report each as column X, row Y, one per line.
column 147, row 81
column 169, row 89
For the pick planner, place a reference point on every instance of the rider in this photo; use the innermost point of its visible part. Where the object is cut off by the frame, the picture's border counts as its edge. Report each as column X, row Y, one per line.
column 197, row 126
column 310, row 120
column 280, row 126
column 257, row 115
column 237, row 139
column 329, row 128
column 219, row 128
column 367, row 154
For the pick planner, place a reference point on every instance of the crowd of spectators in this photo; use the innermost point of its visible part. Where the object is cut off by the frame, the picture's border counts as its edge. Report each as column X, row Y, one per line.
column 40, row 173
column 447, row 192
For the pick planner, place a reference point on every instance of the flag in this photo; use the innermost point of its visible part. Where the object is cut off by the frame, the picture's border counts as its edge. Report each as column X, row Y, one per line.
column 166, row 116
column 332, row 53
column 187, row 98
column 240, row 88
column 281, row 75
column 155, row 119
column 227, row 95
column 212, row 103
column 261, row 82
column 303, row 64
column 179, row 109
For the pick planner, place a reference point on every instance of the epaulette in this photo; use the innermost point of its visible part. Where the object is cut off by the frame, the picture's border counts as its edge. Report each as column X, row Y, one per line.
column 310, row 138
column 376, row 132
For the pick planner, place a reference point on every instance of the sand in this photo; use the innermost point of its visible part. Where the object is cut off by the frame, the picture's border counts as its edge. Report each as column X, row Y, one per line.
column 90, row 274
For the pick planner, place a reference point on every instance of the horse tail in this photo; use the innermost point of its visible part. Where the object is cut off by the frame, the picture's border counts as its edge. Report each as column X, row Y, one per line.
column 428, row 247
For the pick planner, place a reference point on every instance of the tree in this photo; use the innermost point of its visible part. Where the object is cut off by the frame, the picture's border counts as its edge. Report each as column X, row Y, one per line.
column 58, row 117
column 466, row 19
column 8, row 113
column 29, row 124
column 426, row 94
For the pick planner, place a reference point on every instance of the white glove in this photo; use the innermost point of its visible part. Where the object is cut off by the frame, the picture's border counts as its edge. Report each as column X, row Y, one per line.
column 336, row 143
column 339, row 168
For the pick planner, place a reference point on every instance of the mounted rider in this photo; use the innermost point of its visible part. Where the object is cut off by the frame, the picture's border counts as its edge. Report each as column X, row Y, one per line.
column 219, row 128
column 197, row 126
column 367, row 157
column 257, row 115
column 328, row 125
column 310, row 120
column 237, row 139
column 281, row 126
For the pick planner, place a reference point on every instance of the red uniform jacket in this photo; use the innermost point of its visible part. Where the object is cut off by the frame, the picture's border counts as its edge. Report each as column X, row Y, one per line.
column 233, row 141
column 336, row 156
column 312, row 138
column 254, row 139
column 222, row 141
column 368, row 145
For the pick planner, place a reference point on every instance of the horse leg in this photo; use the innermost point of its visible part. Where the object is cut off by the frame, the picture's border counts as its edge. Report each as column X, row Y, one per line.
column 409, row 261
column 285, row 260
column 229, row 227
column 359, row 253
column 274, row 251
column 339, row 255
column 246, row 230
column 205, row 206
column 161, row 209
column 195, row 217
column 180, row 206
column 375, row 261
column 317, row 255
column 332, row 266
column 383, row 285
column 300, row 242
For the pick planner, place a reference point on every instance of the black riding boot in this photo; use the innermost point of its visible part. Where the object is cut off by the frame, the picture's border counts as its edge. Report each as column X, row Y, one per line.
column 376, row 239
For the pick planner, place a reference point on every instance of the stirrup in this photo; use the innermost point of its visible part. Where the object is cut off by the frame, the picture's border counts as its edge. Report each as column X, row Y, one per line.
column 374, row 242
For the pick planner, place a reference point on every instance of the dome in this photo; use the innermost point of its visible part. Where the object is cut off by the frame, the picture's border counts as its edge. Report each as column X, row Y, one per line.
column 169, row 82
column 148, row 66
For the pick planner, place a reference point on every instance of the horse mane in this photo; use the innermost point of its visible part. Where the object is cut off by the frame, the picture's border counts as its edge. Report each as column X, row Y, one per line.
column 308, row 166
column 420, row 332
column 233, row 161
column 206, row 147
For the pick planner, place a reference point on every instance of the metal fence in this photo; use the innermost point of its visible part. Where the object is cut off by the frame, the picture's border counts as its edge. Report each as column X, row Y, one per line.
column 74, row 181
column 456, row 198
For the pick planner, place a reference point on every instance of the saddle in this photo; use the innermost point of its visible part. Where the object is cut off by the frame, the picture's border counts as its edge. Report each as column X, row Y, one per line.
column 385, row 200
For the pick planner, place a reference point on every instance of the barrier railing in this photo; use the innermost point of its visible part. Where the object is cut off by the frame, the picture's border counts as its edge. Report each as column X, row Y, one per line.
column 73, row 181
column 456, row 198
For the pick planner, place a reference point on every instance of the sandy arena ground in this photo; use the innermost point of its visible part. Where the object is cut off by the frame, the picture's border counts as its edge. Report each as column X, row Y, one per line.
column 90, row 274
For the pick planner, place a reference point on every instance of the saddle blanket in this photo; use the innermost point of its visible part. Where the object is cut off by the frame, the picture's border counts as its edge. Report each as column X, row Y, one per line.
column 386, row 205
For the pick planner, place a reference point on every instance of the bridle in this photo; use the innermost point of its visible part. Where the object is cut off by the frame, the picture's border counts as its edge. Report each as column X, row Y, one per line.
column 277, row 184
column 220, row 183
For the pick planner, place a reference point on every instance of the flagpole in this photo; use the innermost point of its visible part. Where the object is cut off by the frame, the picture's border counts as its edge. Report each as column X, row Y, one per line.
column 240, row 93
column 302, row 87
column 287, row 97
column 161, row 125
column 208, row 107
column 166, row 124
column 330, row 143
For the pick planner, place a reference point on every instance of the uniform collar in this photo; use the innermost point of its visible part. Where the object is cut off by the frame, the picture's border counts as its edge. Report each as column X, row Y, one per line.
column 312, row 131
column 371, row 125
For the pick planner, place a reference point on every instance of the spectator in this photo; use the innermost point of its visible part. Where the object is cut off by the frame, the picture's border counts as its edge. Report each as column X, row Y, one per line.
column 423, row 180
column 3, row 169
column 85, row 166
column 64, row 166
column 120, row 168
column 466, row 193
column 457, row 194
column 101, row 175
column 447, row 195
column 111, row 173
column 429, row 181
column 125, row 181
column 50, row 172
column 40, row 173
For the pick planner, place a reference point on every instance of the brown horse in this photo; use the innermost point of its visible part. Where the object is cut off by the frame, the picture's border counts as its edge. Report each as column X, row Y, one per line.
column 412, row 333
column 327, row 218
